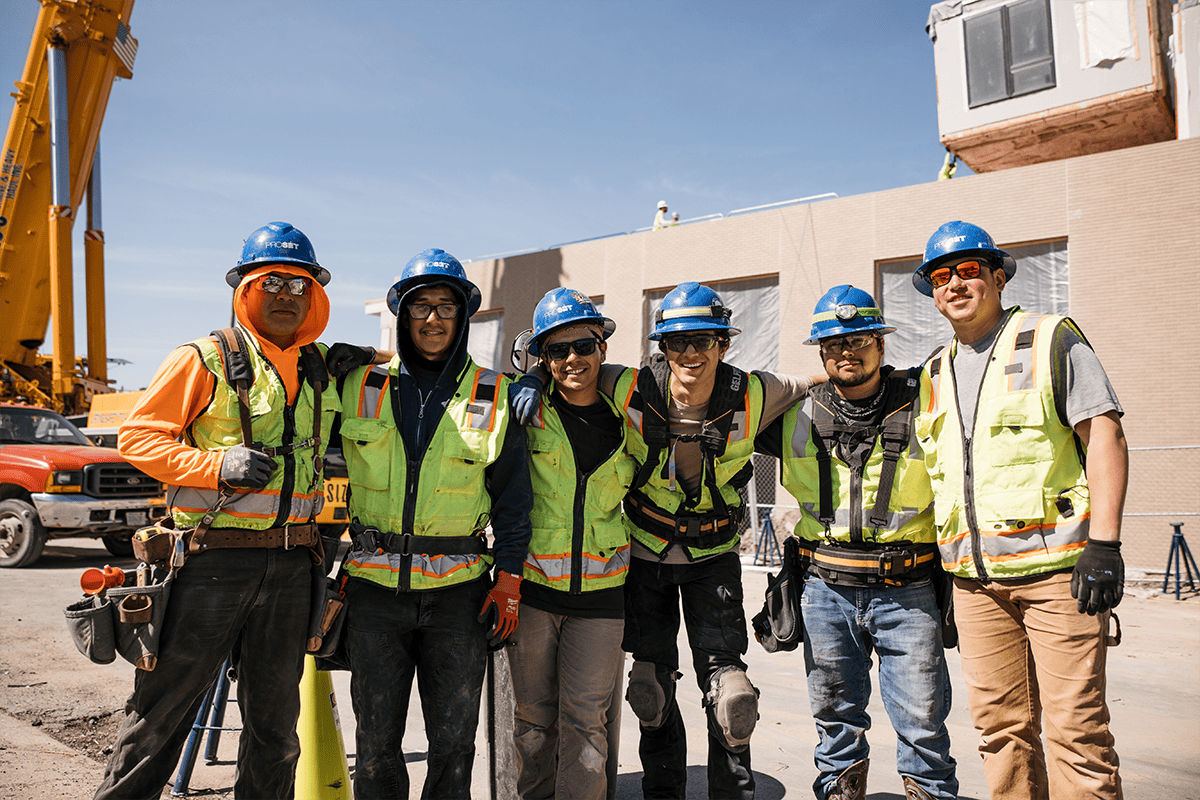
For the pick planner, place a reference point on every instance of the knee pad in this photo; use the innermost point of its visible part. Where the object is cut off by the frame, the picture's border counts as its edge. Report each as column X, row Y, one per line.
column 732, row 708
column 651, row 689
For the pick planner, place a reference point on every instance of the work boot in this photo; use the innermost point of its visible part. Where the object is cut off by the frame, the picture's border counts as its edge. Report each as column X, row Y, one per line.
column 733, row 702
column 852, row 783
column 914, row 792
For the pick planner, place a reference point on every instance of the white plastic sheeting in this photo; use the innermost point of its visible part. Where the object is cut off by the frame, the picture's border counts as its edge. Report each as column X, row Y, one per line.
column 486, row 341
column 1040, row 284
column 1105, row 32
column 755, row 306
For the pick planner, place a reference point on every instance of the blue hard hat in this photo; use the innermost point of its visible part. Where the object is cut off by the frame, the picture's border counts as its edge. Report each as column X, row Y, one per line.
column 277, row 243
column 846, row 310
column 959, row 240
column 429, row 267
column 560, row 308
column 691, row 307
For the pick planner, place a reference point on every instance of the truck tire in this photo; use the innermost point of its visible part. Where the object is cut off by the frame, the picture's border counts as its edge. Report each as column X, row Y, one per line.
column 22, row 535
column 119, row 544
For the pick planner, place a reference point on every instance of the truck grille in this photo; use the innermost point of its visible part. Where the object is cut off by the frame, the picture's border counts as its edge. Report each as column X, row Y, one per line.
column 118, row 480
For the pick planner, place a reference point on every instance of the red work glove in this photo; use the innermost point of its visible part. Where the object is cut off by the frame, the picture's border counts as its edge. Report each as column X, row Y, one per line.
column 499, row 610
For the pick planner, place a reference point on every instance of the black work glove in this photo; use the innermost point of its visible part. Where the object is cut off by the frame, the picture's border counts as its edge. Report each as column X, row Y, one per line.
column 525, row 397
column 1098, row 581
column 342, row 358
column 243, row 468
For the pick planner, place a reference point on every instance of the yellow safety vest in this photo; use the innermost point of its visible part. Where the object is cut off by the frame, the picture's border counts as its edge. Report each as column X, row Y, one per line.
column 739, row 447
column 579, row 539
column 1018, row 504
column 909, row 507
column 273, row 424
column 444, row 493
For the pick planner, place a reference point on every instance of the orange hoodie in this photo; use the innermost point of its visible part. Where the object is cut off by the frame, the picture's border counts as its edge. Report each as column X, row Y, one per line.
column 152, row 437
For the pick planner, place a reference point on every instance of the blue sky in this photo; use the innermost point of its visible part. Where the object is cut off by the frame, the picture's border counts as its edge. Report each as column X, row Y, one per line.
column 383, row 128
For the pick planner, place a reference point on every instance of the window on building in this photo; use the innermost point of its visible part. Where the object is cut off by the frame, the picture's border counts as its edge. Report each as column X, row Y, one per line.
column 755, row 306
column 1040, row 285
column 1009, row 52
column 485, row 342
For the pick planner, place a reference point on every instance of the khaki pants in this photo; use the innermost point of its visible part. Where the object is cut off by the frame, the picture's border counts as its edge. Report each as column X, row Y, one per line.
column 1029, row 656
column 564, row 670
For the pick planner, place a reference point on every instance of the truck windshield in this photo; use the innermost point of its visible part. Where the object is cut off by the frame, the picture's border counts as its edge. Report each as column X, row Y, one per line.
column 37, row 426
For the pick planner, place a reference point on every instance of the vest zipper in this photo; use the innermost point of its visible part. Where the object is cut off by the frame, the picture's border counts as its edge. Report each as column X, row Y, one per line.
column 856, row 506
column 581, row 482
column 969, row 462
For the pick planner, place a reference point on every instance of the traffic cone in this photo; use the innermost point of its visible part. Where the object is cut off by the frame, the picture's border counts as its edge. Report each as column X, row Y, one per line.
column 322, row 772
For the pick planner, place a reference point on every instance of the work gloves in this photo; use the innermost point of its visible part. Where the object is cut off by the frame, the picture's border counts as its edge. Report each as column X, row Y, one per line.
column 343, row 358
column 1099, row 577
column 243, row 468
column 499, row 610
column 525, row 397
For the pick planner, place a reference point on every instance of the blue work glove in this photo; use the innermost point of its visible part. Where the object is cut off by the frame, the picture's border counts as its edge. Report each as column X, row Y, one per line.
column 525, row 397
column 243, row 468
column 1098, row 581
column 343, row 358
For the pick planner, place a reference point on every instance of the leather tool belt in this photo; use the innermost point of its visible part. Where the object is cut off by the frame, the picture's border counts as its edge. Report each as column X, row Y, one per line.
column 287, row 536
column 892, row 566
column 702, row 531
column 372, row 540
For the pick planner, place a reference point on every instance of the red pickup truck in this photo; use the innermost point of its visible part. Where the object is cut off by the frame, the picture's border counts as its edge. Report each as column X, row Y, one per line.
column 54, row 483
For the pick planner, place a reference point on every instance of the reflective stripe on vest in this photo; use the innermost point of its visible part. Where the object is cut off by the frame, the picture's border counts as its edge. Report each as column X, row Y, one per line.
column 599, row 539
column 738, row 450
column 219, row 428
column 451, row 496
column 1024, row 462
column 910, row 511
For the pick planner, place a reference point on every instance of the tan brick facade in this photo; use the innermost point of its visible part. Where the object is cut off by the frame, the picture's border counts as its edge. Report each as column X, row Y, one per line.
column 1132, row 222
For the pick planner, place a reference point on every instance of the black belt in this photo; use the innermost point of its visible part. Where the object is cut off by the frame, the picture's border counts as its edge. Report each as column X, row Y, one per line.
column 890, row 565
column 702, row 531
column 373, row 540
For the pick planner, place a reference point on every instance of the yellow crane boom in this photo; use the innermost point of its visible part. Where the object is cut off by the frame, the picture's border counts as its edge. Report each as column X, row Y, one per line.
column 50, row 160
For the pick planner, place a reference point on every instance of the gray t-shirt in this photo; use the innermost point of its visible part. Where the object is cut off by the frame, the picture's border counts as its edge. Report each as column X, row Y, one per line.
column 1081, row 387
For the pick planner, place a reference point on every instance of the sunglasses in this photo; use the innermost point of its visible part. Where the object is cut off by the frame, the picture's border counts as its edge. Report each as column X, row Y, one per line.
column 842, row 343
column 700, row 342
column 273, row 284
column 444, row 310
column 967, row 269
column 560, row 350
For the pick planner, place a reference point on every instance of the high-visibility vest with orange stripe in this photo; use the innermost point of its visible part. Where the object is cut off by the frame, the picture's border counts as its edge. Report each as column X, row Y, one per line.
column 1017, row 504
column 450, row 495
column 910, row 505
column 739, row 447
column 220, row 428
column 579, row 539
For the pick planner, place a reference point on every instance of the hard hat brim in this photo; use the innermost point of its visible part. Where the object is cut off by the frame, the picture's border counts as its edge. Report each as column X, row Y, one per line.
column 401, row 289
column 235, row 275
column 691, row 324
column 608, row 326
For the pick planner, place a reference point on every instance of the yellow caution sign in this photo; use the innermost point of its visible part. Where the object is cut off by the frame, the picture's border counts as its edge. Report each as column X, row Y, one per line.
column 322, row 772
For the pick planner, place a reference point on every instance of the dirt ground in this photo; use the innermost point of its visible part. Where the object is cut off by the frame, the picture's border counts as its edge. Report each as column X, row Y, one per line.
column 59, row 713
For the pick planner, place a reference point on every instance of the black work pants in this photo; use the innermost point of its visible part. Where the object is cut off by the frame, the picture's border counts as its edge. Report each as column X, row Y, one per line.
column 711, row 595
column 435, row 635
column 257, row 599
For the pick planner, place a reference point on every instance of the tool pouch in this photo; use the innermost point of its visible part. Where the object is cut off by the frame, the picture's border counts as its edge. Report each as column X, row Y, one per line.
column 943, row 589
column 327, row 622
column 779, row 626
column 153, row 544
column 127, row 621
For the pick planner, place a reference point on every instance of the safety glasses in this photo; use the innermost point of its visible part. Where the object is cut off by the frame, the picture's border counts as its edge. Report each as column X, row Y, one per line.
column 967, row 269
column 699, row 342
column 836, row 346
column 444, row 310
column 273, row 284
column 560, row 350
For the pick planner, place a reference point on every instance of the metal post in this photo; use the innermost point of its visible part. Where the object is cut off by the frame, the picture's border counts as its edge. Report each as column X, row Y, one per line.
column 93, row 255
column 62, row 301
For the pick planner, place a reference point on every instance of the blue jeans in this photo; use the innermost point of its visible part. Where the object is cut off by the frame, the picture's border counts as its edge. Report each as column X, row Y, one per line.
column 436, row 636
column 842, row 626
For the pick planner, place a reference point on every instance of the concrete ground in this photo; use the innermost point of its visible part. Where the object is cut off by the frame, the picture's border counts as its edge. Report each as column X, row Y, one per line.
column 47, row 688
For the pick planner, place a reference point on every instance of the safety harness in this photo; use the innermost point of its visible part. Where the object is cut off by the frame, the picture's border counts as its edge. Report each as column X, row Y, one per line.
column 858, row 561
column 701, row 530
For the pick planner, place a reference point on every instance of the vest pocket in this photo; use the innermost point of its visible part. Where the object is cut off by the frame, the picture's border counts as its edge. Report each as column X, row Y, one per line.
column 367, row 446
column 1016, row 429
column 465, row 455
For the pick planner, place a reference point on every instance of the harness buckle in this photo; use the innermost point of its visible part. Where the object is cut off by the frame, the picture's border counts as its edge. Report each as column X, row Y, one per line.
column 366, row 540
column 896, row 563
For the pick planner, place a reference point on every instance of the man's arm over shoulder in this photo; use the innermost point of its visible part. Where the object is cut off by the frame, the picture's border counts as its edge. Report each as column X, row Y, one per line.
column 511, row 491
column 150, row 438
column 781, row 392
